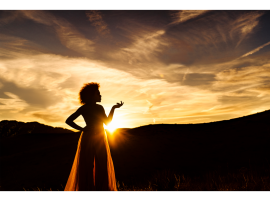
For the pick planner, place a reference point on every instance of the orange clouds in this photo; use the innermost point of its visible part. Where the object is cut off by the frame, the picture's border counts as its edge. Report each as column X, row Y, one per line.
column 191, row 66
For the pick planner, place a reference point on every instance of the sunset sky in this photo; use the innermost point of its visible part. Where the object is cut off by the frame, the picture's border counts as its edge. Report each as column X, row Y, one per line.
column 167, row 66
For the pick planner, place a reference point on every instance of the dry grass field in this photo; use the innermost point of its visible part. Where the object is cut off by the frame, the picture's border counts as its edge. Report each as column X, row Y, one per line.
column 226, row 155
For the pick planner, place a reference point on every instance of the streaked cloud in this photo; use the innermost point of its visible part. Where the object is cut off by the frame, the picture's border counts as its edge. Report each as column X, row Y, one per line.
column 246, row 24
column 95, row 17
column 42, row 17
column 47, row 117
column 8, row 16
column 66, row 32
column 114, row 83
column 144, row 47
column 12, row 104
column 184, row 15
column 32, row 95
column 215, row 37
column 255, row 50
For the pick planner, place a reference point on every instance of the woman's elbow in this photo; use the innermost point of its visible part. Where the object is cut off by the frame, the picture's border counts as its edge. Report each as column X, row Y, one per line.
column 68, row 121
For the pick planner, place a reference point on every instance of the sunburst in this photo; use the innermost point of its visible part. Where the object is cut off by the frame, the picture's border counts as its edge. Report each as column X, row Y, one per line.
column 112, row 126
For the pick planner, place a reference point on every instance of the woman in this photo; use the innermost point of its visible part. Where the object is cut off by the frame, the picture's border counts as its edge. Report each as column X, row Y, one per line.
column 92, row 168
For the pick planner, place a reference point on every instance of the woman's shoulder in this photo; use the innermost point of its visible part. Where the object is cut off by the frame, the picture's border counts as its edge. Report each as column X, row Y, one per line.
column 99, row 106
column 86, row 106
column 81, row 108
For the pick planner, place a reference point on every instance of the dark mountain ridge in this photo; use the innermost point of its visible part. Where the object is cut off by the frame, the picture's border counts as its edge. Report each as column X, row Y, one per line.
column 10, row 128
column 261, row 118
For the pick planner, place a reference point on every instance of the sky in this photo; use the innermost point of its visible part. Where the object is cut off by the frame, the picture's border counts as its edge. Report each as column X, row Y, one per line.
column 167, row 66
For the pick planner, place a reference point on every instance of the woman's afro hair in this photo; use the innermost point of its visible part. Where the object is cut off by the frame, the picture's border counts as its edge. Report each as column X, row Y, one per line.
column 87, row 92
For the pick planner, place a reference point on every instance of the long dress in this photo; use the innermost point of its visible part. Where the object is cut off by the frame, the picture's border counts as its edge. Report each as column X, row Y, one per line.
column 92, row 168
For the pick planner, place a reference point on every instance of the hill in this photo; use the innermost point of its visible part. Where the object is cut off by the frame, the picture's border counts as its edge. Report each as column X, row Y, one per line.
column 10, row 128
column 45, row 160
column 262, row 119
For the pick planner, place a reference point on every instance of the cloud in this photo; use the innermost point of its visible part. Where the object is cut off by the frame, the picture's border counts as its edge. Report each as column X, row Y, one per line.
column 197, row 79
column 138, row 56
column 66, row 32
column 226, row 99
column 243, row 85
column 255, row 50
column 150, row 106
column 144, row 47
column 185, row 15
column 184, row 77
column 213, row 38
column 39, row 86
column 95, row 17
column 41, row 17
column 12, row 46
column 13, row 104
column 48, row 117
column 245, row 24
column 74, row 40
column 7, row 16
column 170, row 102
column 32, row 96
column 246, row 75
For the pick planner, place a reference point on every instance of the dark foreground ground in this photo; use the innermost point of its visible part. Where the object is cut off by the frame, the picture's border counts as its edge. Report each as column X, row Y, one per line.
column 226, row 155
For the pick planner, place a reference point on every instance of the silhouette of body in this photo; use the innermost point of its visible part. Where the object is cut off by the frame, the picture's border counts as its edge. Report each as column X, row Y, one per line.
column 92, row 168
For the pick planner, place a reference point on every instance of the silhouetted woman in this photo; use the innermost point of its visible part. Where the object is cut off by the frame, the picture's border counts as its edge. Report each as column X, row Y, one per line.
column 92, row 168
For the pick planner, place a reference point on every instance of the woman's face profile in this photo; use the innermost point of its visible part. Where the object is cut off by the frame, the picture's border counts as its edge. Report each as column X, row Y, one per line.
column 97, row 96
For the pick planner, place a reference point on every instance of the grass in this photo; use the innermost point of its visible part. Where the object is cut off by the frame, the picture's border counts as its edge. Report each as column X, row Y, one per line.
column 243, row 179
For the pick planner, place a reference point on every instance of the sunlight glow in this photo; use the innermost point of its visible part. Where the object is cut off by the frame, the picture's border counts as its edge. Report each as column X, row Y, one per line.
column 112, row 126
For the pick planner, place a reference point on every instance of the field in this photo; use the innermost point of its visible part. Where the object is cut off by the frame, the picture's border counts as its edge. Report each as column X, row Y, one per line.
column 226, row 155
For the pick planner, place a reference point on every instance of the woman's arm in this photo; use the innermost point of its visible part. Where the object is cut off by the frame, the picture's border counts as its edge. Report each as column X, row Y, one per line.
column 71, row 118
column 108, row 119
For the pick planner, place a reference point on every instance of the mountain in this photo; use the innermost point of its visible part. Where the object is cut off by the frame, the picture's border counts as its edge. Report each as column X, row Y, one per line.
column 13, row 128
column 251, row 124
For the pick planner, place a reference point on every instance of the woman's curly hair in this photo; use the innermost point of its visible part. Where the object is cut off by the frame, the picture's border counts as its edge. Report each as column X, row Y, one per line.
column 87, row 91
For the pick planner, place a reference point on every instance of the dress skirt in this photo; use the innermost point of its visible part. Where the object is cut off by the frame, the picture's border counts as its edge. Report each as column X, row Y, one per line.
column 92, row 168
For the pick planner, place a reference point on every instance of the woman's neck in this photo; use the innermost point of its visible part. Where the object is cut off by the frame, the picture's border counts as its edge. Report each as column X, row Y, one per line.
column 91, row 103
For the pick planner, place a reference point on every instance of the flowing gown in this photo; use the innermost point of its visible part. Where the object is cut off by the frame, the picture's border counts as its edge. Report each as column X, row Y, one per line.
column 92, row 168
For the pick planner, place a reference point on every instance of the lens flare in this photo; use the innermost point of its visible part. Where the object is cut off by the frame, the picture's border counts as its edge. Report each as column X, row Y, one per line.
column 111, row 127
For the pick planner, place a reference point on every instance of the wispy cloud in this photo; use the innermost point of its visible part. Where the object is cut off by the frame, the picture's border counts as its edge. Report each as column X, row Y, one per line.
column 255, row 50
column 184, row 77
column 66, row 32
column 245, row 24
column 43, row 74
column 144, row 47
column 42, row 17
column 47, row 116
column 12, row 104
column 185, row 15
column 96, row 19
column 9, row 16
column 213, row 37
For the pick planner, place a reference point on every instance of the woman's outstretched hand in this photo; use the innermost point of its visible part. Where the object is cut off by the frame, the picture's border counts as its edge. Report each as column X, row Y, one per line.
column 118, row 105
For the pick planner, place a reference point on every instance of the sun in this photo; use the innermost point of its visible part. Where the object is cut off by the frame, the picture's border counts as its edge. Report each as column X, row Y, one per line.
column 112, row 126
